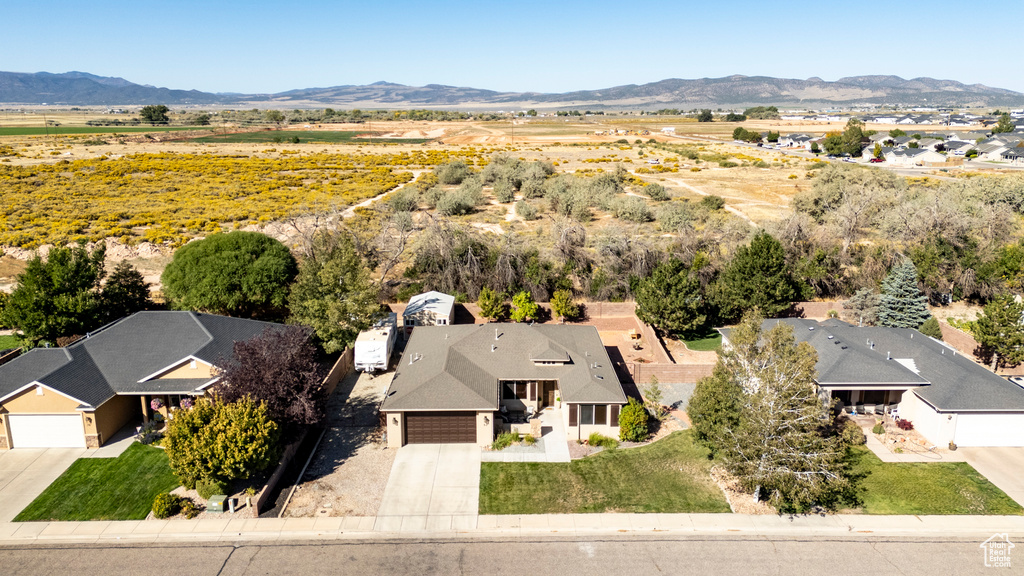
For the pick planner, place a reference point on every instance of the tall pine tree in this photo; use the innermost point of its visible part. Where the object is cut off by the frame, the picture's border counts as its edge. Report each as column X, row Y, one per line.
column 902, row 304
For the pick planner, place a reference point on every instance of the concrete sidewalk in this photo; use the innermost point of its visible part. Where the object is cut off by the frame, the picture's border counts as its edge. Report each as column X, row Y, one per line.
column 567, row 525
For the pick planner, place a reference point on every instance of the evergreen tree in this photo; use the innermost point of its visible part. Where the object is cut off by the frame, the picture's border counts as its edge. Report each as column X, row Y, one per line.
column 1000, row 332
column 1005, row 124
column 757, row 277
column 862, row 307
column 931, row 328
column 671, row 298
column 124, row 293
column 902, row 304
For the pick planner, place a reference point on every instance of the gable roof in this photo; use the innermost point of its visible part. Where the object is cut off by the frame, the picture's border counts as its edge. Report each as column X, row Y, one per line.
column 871, row 355
column 458, row 367
column 125, row 356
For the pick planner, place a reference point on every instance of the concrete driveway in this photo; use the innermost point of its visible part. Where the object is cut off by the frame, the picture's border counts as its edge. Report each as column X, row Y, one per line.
column 432, row 487
column 25, row 473
column 1004, row 467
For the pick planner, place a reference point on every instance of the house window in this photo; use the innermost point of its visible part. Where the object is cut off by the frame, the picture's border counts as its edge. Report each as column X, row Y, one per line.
column 586, row 414
column 514, row 391
column 442, row 321
column 600, row 414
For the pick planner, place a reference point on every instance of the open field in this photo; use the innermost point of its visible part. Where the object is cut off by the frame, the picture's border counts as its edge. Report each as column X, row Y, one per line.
column 303, row 136
column 65, row 130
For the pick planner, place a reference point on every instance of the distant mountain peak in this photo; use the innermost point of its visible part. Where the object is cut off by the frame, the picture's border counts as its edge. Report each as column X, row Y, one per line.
column 736, row 91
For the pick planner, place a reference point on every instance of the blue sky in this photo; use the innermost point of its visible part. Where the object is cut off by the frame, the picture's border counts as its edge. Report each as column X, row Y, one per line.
column 526, row 45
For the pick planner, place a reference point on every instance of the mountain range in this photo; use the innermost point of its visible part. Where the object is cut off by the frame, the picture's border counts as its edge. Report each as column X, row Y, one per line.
column 83, row 89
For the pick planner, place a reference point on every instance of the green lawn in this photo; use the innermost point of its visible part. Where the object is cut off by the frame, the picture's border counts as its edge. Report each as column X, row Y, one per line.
column 304, row 136
column 705, row 342
column 65, row 130
column 120, row 488
column 670, row 475
column 9, row 342
column 925, row 488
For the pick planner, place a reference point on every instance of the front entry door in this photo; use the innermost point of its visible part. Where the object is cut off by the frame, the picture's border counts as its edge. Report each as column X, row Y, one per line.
column 548, row 398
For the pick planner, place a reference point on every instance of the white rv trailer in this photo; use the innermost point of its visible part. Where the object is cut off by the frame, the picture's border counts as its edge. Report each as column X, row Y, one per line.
column 374, row 346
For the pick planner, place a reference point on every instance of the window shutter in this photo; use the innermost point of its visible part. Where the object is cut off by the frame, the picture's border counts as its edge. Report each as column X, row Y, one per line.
column 533, row 391
column 572, row 413
column 615, row 414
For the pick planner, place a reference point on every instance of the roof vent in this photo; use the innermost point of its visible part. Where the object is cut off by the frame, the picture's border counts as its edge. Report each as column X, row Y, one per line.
column 830, row 336
column 888, row 355
column 811, row 328
column 598, row 376
column 495, row 333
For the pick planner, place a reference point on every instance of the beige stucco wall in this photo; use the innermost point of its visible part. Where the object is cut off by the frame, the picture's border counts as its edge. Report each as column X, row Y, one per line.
column 484, row 430
column 108, row 419
column 32, row 402
column 185, row 370
column 395, row 429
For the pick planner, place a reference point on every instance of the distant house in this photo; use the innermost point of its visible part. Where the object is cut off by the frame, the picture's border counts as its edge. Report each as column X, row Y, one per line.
column 915, row 157
column 946, row 396
column 429, row 309
column 958, row 148
column 1013, row 155
column 929, row 143
column 668, row 130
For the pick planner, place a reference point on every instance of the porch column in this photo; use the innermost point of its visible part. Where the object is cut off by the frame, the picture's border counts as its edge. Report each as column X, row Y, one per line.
column 145, row 409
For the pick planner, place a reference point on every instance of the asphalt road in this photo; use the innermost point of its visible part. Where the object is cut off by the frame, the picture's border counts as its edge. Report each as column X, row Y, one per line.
column 624, row 556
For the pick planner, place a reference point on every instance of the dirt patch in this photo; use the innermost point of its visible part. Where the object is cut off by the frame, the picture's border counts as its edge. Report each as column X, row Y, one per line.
column 351, row 466
column 740, row 501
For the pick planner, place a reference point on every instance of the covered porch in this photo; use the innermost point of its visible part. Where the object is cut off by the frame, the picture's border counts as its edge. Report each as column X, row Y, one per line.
column 868, row 401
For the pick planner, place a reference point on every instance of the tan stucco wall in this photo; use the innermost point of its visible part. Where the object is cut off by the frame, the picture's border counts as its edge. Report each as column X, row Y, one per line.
column 484, row 430
column 31, row 402
column 395, row 428
column 108, row 419
column 185, row 370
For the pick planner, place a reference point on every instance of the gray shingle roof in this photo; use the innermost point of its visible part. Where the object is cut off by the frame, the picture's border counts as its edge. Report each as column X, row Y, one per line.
column 454, row 367
column 945, row 378
column 114, row 359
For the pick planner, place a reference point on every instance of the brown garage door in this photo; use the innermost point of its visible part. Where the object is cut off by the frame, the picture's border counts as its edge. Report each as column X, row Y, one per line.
column 440, row 427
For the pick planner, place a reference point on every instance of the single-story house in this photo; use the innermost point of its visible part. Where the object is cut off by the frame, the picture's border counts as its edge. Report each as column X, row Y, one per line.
column 947, row 396
column 429, row 309
column 455, row 384
column 1013, row 155
column 81, row 395
column 914, row 157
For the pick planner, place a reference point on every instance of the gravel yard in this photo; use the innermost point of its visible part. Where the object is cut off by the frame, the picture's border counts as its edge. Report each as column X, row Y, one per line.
column 350, row 468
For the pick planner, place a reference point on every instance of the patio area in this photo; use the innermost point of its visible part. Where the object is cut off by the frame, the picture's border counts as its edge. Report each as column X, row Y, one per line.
column 552, row 445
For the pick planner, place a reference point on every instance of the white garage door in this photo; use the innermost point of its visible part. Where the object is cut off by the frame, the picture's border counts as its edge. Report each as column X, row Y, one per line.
column 990, row 430
column 47, row 431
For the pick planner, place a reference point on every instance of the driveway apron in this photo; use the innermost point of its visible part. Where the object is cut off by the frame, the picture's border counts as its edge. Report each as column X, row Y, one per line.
column 1004, row 467
column 431, row 481
column 25, row 473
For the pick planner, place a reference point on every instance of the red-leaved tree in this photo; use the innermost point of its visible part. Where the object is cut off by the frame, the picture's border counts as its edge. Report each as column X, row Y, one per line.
column 278, row 367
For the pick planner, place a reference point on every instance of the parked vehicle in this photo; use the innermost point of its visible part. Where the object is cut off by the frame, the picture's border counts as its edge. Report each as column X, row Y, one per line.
column 876, row 160
column 374, row 347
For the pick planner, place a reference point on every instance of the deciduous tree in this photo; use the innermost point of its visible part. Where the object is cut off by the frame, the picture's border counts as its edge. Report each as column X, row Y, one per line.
column 244, row 274
column 278, row 367
column 563, row 305
column 221, row 441
column 154, row 114
column 523, row 307
column 57, row 297
column 492, row 304
column 780, row 449
column 333, row 292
